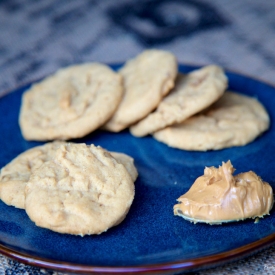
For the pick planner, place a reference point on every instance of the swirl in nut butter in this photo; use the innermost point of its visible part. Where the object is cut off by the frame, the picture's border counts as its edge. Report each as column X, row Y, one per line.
column 218, row 197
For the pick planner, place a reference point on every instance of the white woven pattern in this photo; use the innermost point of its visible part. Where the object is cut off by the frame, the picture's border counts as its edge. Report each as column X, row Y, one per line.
column 38, row 37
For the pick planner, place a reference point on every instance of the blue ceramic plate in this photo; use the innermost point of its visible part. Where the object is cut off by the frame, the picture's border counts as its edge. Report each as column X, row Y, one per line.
column 151, row 238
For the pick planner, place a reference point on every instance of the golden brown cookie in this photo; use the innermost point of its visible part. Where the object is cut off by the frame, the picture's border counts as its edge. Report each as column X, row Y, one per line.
column 15, row 175
column 147, row 79
column 128, row 162
column 234, row 120
column 83, row 190
column 71, row 103
column 193, row 92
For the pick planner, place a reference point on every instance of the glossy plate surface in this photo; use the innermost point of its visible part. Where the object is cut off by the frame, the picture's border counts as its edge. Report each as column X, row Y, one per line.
column 151, row 238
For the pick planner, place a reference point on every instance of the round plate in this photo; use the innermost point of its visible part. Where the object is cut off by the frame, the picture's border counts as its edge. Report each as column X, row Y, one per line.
column 151, row 238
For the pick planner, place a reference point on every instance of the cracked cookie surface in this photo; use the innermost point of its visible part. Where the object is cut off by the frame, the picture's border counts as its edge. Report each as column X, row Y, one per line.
column 147, row 79
column 192, row 93
column 128, row 162
column 70, row 103
column 234, row 120
column 83, row 190
column 15, row 175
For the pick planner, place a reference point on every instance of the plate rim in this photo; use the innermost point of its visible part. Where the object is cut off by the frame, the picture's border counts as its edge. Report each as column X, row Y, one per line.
column 176, row 266
column 159, row 268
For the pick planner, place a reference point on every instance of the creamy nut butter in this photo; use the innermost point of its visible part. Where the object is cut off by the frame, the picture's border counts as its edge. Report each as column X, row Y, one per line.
column 218, row 197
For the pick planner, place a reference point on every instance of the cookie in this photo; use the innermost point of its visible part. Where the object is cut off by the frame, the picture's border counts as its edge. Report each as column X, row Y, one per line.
column 193, row 92
column 71, row 103
column 147, row 79
column 234, row 120
column 15, row 175
column 83, row 190
column 128, row 162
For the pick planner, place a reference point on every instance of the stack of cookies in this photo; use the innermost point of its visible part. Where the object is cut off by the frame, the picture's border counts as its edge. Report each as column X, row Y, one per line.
column 147, row 95
column 186, row 111
column 70, row 188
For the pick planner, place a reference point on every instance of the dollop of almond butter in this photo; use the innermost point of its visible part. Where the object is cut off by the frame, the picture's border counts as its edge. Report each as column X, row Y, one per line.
column 218, row 197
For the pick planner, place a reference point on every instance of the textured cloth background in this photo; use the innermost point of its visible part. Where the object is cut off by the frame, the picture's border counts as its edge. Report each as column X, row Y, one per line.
column 38, row 37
